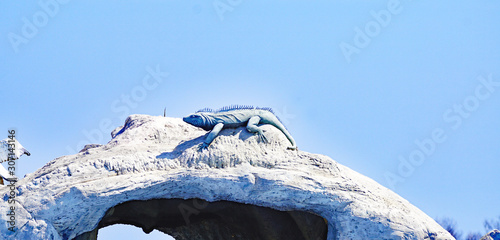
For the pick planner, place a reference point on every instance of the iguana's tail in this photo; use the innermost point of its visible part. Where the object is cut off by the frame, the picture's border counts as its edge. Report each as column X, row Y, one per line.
column 281, row 127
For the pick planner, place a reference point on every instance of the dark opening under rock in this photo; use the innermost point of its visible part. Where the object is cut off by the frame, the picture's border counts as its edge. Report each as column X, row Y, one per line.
column 199, row 219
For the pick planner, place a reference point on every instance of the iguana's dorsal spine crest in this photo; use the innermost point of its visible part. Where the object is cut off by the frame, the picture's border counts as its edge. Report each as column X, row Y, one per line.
column 238, row 107
column 235, row 107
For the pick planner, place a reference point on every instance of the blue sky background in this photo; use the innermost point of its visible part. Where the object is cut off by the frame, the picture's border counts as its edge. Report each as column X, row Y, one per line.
column 72, row 72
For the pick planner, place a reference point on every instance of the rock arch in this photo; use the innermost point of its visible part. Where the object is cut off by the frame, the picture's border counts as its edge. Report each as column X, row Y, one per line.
column 158, row 158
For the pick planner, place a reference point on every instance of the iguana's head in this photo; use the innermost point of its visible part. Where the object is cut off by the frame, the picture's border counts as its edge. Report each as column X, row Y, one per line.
column 199, row 119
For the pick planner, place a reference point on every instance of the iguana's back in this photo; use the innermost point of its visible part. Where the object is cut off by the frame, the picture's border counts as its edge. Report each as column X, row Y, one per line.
column 239, row 117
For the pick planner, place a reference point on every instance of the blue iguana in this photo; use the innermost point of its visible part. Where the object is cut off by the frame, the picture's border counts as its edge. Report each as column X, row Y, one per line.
column 233, row 117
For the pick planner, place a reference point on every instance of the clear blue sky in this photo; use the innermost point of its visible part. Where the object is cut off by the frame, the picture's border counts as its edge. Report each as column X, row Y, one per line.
column 358, row 81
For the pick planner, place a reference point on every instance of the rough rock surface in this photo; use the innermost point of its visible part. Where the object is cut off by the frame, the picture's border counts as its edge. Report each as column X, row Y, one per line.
column 492, row 235
column 89, row 146
column 158, row 158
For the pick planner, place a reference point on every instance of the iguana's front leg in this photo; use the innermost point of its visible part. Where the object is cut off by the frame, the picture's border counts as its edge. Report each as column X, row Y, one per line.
column 211, row 136
column 253, row 128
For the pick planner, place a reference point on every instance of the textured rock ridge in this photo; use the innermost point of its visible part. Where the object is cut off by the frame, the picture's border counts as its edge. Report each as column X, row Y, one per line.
column 157, row 158
column 492, row 235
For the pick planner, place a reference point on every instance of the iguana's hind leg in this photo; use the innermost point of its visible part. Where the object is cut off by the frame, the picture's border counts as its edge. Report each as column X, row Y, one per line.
column 253, row 128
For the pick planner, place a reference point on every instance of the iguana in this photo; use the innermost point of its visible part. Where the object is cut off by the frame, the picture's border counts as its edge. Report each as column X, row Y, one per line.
column 233, row 117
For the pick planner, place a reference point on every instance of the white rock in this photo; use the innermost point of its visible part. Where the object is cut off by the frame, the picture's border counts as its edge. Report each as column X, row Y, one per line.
column 4, row 149
column 492, row 235
column 158, row 157
column 18, row 151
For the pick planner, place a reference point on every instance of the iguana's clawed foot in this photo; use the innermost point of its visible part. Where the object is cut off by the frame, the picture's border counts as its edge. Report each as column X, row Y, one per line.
column 203, row 146
column 262, row 137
